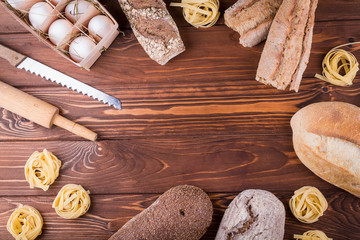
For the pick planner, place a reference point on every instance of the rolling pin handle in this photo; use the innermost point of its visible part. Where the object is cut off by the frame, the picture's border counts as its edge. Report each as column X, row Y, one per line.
column 14, row 58
column 74, row 128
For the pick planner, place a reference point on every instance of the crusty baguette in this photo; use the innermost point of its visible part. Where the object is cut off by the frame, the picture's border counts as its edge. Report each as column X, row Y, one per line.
column 326, row 138
column 183, row 212
column 287, row 49
column 251, row 19
column 154, row 28
column 253, row 215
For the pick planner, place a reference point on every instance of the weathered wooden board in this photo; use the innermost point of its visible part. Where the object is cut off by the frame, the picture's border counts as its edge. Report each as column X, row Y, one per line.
column 212, row 55
column 202, row 119
column 229, row 107
column 153, row 165
column 110, row 212
column 328, row 10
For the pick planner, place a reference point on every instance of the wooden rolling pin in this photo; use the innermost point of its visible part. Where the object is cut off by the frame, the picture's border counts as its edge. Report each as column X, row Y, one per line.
column 39, row 111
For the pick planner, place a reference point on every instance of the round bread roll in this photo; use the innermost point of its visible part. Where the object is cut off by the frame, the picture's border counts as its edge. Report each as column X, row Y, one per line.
column 183, row 212
column 253, row 215
column 326, row 138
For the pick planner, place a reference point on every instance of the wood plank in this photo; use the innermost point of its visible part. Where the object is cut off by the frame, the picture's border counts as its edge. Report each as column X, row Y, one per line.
column 153, row 165
column 110, row 212
column 327, row 10
column 204, row 61
column 228, row 107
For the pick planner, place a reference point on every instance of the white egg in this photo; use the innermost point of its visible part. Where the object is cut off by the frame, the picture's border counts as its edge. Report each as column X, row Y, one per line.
column 38, row 13
column 99, row 26
column 22, row 4
column 80, row 48
column 58, row 30
column 75, row 9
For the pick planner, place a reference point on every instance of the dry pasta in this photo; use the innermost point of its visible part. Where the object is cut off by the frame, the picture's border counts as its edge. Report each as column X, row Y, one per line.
column 72, row 201
column 200, row 13
column 25, row 223
column 339, row 66
column 308, row 204
column 312, row 235
column 41, row 169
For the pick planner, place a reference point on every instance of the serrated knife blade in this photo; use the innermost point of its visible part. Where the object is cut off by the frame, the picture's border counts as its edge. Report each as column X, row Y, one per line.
column 28, row 64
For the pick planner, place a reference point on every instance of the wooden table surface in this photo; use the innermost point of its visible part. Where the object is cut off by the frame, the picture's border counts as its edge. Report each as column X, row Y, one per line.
column 202, row 119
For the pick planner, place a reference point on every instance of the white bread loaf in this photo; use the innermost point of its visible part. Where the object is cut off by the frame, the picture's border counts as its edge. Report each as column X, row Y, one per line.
column 253, row 215
column 326, row 138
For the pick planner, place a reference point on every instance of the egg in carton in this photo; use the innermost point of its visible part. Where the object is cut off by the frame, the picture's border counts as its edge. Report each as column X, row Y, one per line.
column 78, row 30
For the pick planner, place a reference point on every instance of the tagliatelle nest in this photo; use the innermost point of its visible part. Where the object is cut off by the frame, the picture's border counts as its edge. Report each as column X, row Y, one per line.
column 25, row 223
column 308, row 204
column 200, row 13
column 42, row 169
column 72, row 201
column 312, row 235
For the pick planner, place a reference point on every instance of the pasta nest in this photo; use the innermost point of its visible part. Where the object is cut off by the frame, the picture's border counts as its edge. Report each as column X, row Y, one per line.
column 25, row 223
column 200, row 13
column 308, row 204
column 312, row 235
column 72, row 201
column 339, row 66
column 42, row 169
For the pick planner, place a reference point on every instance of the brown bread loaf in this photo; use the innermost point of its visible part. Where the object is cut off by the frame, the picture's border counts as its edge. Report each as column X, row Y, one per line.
column 183, row 212
column 326, row 138
column 253, row 215
column 287, row 49
column 154, row 28
column 251, row 19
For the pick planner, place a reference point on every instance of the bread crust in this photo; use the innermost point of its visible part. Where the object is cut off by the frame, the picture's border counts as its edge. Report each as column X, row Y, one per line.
column 253, row 215
column 326, row 138
column 251, row 19
column 287, row 49
column 154, row 28
column 182, row 213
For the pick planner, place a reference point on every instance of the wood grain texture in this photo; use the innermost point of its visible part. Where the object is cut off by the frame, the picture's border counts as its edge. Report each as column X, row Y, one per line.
column 109, row 212
column 203, row 61
column 202, row 119
column 219, row 108
column 154, row 165
column 328, row 10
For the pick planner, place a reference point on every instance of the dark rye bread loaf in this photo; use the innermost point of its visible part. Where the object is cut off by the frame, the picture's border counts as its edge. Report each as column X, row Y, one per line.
column 253, row 215
column 154, row 28
column 183, row 212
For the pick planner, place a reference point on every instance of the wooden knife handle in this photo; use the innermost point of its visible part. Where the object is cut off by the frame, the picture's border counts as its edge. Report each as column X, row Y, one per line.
column 14, row 58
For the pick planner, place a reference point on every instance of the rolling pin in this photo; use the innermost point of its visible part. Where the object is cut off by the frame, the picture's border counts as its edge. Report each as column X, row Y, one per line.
column 38, row 111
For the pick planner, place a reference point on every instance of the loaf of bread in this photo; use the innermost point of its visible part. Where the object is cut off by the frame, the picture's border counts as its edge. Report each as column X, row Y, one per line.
column 251, row 19
column 154, row 28
column 326, row 138
column 287, row 49
column 253, row 215
column 183, row 212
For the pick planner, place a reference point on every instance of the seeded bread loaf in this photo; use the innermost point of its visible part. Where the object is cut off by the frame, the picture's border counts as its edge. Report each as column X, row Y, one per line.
column 326, row 139
column 253, row 215
column 181, row 213
column 154, row 28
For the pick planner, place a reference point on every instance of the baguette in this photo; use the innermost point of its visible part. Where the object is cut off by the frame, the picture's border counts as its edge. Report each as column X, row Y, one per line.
column 183, row 212
column 326, row 138
column 251, row 19
column 253, row 214
column 154, row 28
column 287, row 48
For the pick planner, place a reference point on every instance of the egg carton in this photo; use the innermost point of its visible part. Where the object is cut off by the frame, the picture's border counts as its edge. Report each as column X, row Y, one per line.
column 79, row 28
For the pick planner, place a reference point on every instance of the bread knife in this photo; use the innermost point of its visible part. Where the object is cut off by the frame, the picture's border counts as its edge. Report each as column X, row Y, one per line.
column 28, row 64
